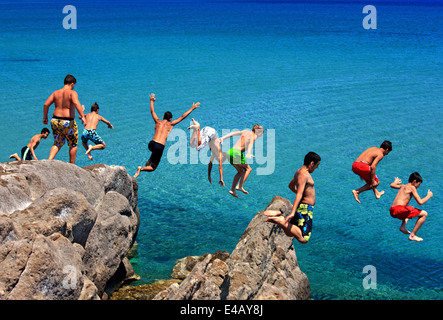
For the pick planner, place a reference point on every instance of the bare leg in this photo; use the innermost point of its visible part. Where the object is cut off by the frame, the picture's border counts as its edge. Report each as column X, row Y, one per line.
column 272, row 213
column 54, row 150
column 15, row 156
column 100, row 146
column 148, row 167
column 289, row 229
column 72, row 154
column 403, row 227
column 356, row 192
column 243, row 179
column 240, row 174
column 421, row 219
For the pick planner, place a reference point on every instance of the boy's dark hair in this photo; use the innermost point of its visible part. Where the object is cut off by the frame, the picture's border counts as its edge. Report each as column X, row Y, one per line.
column 415, row 176
column 311, row 156
column 167, row 116
column 70, row 79
column 94, row 107
column 44, row 130
column 387, row 145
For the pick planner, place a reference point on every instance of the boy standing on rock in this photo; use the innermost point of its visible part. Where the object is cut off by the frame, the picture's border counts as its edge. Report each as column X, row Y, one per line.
column 298, row 223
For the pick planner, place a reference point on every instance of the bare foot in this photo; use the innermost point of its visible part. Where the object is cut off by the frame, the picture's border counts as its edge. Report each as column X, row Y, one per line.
column 379, row 194
column 90, row 156
column 242, row 190
column 195, row 125
column 15, row 156
column 233, row 193
column 415, row 238
column 355, row 193
column 272, row 213
column 138, row 172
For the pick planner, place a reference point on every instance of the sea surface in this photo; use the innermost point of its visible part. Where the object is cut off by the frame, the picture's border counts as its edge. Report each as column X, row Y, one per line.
column 309, row 73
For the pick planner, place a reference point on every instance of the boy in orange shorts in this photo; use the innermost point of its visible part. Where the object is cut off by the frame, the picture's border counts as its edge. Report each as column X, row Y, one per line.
column 402, row 211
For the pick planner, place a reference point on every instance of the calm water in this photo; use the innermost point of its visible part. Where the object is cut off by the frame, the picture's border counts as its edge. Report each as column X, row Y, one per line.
column 308, row 73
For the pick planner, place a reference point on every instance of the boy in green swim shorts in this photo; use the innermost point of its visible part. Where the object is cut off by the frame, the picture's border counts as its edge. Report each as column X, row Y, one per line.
column 237, row 158
column 298, row 223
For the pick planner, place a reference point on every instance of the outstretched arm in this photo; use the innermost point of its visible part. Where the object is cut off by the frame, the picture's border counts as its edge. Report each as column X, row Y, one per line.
column 110, row 126
column 236, row 133
column 184, row 115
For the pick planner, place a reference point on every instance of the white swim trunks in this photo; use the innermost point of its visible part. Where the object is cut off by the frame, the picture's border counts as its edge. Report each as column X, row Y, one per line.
column 206, row 134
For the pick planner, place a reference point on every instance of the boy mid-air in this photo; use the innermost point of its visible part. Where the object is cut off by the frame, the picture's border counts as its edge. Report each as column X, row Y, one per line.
column 365, row 166
column 90, row 131
column 400, row 208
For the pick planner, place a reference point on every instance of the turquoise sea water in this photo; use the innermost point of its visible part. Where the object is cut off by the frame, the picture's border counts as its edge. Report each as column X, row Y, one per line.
column 310, row 74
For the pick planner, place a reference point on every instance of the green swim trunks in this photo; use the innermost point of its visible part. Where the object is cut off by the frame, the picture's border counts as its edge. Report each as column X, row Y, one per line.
column 236, row 156
column 303, row 219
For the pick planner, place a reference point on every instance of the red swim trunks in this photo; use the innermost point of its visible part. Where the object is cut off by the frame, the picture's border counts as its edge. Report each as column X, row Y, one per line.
column 404, row 212
column 363, row 170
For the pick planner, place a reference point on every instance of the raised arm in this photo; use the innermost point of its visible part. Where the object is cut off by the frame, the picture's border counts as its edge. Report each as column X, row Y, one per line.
column 419, row 200
column 154, row 116
column 396, row 184
column 184, row 115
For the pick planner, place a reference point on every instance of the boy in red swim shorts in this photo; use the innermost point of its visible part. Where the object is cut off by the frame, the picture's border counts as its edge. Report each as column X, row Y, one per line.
column 400, row 208
column 365, row 166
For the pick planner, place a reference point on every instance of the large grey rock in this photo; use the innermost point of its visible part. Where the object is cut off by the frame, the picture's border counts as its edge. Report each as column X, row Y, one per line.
column 262, row 266
column 64, row 230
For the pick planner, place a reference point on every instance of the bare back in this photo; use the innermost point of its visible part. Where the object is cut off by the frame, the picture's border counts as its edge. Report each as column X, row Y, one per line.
column 403, row 196
column 370, row 155
column 64, row 101
column 92, row 120
column 301, row 175
column 162, row 130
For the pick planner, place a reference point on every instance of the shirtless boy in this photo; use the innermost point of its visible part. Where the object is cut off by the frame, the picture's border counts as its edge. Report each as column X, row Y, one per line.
column 298, row 223
column 400, row 208
column 162, row 130
column 63, row 123
column 237, row 158
column 28, row 151
column 90, row 131
column 208, row 136
column 365, row 166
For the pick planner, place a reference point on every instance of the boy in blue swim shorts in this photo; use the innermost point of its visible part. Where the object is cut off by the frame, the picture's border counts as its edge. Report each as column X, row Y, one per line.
column 90, row 131
column 298, row 223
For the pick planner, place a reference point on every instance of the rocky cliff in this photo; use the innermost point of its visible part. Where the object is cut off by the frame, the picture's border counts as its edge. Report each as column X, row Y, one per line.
column 65, row 231
column 262, row 266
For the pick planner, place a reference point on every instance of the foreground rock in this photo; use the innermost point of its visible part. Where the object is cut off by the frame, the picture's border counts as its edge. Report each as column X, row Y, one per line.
column 65, row 231
column 262, row 266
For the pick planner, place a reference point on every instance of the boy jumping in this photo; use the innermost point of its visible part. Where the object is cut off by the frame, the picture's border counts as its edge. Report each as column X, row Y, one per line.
column 90, row 131
column 365, row 166
column 402, row 211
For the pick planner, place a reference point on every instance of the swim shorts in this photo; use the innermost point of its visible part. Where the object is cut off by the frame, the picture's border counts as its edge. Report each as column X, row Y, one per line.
column 236, row 156
column 303, row 219
column 91, row 134
column 363, row 170
column 64, row 129
column 26, row 153
column 157, row 152
column 206, row 135
column 404, row 212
